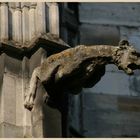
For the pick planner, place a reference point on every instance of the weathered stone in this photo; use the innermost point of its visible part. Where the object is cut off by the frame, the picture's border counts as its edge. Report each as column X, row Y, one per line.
column 106, row 118
column 94, row 102
column 16, row 48
column 49, row 42
column 80, row 67
column 43, row 117
column 129, row 104
column 110, row 13
column 11, row 98
column 99, row 34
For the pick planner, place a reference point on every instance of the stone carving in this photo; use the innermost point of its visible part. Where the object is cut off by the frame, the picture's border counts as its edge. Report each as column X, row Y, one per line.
column 82, row 66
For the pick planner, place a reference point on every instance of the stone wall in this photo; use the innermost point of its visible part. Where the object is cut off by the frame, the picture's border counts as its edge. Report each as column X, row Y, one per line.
column 110, row 108
column 15, row 120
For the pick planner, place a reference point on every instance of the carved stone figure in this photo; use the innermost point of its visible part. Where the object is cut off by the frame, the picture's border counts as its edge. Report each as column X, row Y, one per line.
column 82, row 66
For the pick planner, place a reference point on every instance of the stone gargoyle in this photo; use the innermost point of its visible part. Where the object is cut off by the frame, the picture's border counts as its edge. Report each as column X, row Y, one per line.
column 80, row 67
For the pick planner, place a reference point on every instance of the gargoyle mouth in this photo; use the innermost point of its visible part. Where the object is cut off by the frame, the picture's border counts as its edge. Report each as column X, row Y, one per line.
column 133, row 66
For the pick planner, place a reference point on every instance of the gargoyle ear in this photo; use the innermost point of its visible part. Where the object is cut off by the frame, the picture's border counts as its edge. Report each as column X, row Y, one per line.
column 123, row 43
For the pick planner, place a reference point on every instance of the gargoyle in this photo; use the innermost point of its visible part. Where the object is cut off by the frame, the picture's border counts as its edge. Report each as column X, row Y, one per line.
column 80, row 67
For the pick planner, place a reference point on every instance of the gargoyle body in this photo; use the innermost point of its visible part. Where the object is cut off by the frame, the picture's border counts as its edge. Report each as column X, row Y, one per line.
column 82, row 66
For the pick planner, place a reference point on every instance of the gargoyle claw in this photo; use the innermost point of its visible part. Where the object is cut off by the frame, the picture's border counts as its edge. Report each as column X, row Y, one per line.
column 29, row 103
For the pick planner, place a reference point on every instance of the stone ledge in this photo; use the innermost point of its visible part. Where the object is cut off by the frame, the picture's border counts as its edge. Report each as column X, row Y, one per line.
column 47, row 41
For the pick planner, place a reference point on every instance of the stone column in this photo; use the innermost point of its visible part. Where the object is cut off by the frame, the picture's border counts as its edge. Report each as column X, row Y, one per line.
column 25, row 85
column 25, row 23
column 17, row 23
column 40, row 18
column 4, row 21
column 54, row 18
column 32, row 29
column 11, row 100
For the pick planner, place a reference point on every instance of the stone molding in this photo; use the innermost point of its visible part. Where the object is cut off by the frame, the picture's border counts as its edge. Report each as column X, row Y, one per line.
column 46, row 40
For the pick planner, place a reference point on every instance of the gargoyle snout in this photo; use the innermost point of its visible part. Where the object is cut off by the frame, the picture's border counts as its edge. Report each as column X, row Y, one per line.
column 134, row 62
column 138, row 62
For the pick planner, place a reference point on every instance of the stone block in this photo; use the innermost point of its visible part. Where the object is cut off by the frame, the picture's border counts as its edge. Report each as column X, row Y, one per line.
column 109, row 13
column 134, row 84
column 10, row 131
column 91, row 34
column 131, row 104
column 12, row 65
column 110, row 123
column 106, row 130
column 110, row 116
column 92, row 101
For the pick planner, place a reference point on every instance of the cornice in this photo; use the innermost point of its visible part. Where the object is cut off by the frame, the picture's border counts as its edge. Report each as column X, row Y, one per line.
column 49, row 42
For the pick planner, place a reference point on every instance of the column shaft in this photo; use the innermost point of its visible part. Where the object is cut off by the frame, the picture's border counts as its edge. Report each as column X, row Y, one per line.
column 4, row 21
column 32, row 28
column 54, row 18
column 40, row 18
column 25, row 24
column 17, row 23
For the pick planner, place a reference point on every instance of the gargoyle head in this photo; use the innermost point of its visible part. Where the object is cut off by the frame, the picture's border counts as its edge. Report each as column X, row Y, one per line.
column 129, row 58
